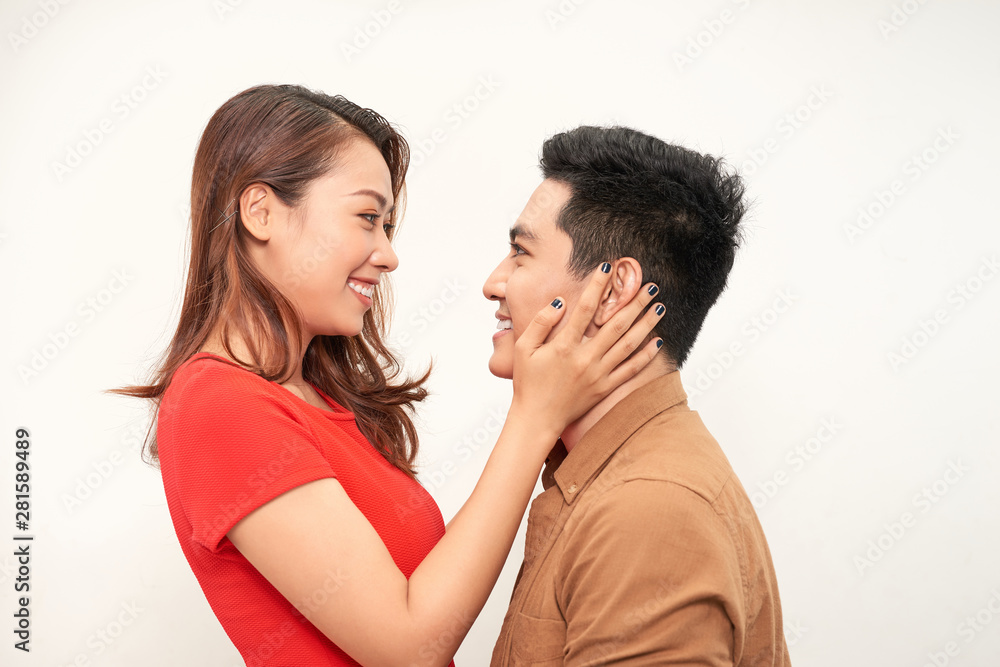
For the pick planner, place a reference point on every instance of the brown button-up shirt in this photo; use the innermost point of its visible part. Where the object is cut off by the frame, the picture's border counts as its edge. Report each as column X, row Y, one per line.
column 644, row 549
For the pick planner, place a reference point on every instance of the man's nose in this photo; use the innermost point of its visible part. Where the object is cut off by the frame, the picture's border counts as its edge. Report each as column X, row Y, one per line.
column 495, row 287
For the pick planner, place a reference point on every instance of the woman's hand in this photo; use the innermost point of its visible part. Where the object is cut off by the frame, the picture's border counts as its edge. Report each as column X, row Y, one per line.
column 299, row 538
column 560, row 379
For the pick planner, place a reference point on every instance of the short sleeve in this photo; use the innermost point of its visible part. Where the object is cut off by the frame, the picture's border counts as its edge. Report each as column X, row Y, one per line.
column 650, row 577
column 228, row 443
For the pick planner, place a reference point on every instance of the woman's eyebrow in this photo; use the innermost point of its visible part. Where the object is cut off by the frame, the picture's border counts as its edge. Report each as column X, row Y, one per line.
column 379, row 197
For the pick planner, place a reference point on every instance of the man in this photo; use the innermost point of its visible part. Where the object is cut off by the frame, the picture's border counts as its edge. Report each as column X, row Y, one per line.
column 644, row 548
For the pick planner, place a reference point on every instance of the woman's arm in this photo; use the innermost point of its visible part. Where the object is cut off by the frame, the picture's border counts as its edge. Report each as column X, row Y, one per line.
column 314, row 538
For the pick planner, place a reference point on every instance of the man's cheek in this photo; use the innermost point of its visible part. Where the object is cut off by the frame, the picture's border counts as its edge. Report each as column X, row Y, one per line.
column 561, row 324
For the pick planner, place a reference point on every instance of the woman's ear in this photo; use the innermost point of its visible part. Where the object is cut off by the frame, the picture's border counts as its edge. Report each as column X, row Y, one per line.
column 254, row 204
column 626, row 280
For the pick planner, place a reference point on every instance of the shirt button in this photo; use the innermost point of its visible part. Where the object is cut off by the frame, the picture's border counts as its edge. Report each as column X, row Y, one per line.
column 572, row 488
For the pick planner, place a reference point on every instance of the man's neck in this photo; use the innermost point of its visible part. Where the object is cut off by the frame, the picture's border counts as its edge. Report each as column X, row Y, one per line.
column 657, row 368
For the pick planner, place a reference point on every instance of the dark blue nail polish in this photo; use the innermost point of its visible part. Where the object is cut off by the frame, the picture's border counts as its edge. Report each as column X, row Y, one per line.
column 605, row 268
column 653, row 289
column 557, row 304
column 659, row 309
column 659, row 343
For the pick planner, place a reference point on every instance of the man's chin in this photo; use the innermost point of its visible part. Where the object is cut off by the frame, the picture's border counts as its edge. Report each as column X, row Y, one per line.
column 501, row 368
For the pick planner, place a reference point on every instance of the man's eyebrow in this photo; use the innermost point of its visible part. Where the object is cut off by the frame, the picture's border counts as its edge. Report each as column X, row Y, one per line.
column 518, row 231
column 379, row 197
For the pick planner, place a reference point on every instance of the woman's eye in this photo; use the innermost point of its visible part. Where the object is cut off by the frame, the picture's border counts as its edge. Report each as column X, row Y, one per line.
column 370, row 217
column 387, row 228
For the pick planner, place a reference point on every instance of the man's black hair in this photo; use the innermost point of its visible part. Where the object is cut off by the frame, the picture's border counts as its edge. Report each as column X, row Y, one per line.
column 675, row 211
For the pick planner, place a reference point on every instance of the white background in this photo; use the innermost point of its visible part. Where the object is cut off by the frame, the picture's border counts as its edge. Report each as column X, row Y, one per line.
column 826, row 107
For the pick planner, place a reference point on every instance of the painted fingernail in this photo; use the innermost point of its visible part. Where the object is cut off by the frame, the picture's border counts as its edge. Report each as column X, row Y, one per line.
column 659, row 343
column 605, row 268
column 653, row 289
column 557, row 304
column 659, row 309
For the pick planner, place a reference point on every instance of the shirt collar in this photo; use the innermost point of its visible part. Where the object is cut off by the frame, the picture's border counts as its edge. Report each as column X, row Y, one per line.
column 572, row 471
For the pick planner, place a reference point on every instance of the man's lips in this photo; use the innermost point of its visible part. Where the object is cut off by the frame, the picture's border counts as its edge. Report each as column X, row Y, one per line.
column 504, row 325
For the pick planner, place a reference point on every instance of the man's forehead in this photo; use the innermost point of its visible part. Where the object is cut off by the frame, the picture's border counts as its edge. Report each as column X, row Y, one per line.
column 541, row 211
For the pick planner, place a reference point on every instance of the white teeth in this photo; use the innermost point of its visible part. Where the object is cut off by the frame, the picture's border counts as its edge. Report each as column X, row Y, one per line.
column 367, row 290
column 505, row 324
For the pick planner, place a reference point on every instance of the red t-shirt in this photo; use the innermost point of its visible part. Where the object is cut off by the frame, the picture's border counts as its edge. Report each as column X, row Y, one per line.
column 230, row 441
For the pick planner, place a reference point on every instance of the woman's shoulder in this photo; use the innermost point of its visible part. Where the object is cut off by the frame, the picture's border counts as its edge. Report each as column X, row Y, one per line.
column 205, row 375
column 211, row 365
column 210, row 395
column 201, row 362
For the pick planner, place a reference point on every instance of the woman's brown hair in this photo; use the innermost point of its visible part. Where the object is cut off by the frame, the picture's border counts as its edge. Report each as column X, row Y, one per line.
column 285, row 137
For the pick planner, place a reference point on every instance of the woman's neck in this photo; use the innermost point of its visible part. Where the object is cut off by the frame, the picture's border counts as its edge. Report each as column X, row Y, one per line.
column 295, row 384
column 240, row 350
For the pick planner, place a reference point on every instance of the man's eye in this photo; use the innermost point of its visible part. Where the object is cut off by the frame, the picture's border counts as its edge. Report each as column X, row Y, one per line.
column 516, row 249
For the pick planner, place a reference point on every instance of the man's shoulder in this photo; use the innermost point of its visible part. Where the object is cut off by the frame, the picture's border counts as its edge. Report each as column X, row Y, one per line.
column 669, row 484
column 673, row 449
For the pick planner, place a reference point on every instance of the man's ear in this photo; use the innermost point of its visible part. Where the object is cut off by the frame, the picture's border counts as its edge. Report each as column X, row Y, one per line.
column 626, row 280
column 255, row 204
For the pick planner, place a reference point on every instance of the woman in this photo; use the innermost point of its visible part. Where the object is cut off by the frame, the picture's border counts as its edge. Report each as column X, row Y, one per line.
column 283, row 432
